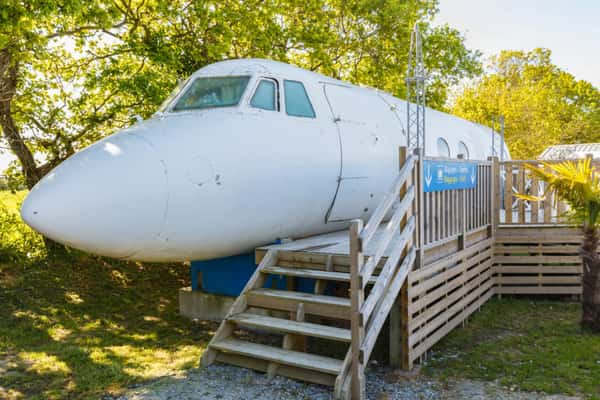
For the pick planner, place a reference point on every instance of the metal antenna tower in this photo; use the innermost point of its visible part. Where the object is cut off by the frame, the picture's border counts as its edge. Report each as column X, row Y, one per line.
column 415, row 93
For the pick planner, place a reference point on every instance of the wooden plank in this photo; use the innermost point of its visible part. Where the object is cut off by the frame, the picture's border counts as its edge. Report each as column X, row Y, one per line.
column 536, row 269
column 508, row 184
column 357, row 297
column 497, row 194
column 320, row 285
column 430, row 341
column 310, row 273
column 293, row 358
column 539, row 290
column 542, row 230
column 426, row 298
column 343, row 379
column 441, row 264
column 535, row 205
column 526, row 248
column 423, row 289
column 295, row 327
column 387, row 235
column 389, row 199
column 325, row 306
column 239, row 305
column 520, row 190
column 528, row 259
column 542, row 280
column 384, row 277
column 435, row 323
column 547, row 202
column 382, row 310
column 541, row 239
column 423, row 315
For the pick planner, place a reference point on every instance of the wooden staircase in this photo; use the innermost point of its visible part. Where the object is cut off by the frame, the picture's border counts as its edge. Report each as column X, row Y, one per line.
column 351, row 317
column 290, row 312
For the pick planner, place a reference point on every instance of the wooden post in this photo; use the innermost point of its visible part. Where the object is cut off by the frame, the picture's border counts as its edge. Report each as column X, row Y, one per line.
column 419, row 210
column 508, row 182
column 495, row 195
column 357, row 297
column 547, row 202
column 535, row 205
column 395, row 314
column 521, row 189
column 404, row 302
column 462, row 211
column 396, row 334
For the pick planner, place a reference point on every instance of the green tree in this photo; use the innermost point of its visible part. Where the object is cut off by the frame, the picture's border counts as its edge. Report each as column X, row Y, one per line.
column 542, row 104
column 578, row 183
column 72, row 71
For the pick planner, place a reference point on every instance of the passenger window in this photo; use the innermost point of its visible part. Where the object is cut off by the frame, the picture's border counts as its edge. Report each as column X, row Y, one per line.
column 443, row 149
column 265, row 96
column 297, row 102
column 463, row 149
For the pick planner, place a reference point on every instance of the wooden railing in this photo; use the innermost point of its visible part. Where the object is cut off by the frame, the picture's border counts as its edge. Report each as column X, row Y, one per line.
column 451, row 213
column 516, row 177
column 395, row 242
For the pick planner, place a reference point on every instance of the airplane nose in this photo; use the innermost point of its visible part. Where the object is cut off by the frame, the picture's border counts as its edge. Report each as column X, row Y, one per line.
column 109, row 199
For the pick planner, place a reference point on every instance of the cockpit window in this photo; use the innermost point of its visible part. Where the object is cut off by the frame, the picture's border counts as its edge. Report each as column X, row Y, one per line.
column 297, row 102
column 265, row 96
column 212, row 92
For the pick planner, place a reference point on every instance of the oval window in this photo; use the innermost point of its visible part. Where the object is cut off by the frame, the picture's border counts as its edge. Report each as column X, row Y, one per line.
column 443, row 149
column 463, row 149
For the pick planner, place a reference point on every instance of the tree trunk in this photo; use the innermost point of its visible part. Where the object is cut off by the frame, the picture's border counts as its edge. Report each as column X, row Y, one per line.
column 8, row 88
column 591, row 280
column 9, row 70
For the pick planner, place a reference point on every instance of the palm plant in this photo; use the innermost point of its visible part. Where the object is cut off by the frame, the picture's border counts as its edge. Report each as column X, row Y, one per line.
column 578, row 183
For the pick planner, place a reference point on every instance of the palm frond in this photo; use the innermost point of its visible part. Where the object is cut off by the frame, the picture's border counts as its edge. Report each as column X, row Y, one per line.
column 577, row 183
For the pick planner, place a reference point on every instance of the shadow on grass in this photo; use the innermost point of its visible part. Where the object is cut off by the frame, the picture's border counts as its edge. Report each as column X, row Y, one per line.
column 76, row 326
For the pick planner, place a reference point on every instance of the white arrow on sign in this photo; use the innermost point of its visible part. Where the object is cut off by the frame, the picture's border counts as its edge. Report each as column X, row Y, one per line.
column 473, row 176
column 428, row 177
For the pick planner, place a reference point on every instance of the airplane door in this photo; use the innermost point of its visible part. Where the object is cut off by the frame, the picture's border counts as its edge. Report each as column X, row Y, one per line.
column 369, row 162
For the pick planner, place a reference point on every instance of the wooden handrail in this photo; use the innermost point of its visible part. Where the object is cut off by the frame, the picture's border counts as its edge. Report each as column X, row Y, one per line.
column 384, row 306
column 387, row 202
column 388, row 234
column 369, row 314
column 384, row 276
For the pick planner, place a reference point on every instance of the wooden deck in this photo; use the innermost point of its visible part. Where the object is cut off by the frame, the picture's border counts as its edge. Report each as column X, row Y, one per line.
column 333, row 243
column 436, row 261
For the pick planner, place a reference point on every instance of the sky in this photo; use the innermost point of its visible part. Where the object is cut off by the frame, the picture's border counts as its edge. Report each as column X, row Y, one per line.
column 570, row 28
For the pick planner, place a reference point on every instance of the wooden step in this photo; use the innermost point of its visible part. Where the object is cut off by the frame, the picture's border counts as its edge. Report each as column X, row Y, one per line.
column 293, row 358
column 312, row 273
column 325, row 306
column 287, row 326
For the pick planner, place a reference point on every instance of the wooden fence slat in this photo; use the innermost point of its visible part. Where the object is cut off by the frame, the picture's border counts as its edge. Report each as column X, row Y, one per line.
column 508, row 184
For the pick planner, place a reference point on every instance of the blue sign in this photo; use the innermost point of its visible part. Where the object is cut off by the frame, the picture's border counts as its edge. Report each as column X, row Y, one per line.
column 448, row 175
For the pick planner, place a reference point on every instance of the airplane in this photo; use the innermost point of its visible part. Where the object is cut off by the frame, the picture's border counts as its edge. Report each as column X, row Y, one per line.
column 245, row 152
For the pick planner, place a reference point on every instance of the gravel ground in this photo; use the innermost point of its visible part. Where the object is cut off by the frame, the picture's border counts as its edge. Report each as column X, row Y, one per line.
column 225, row 382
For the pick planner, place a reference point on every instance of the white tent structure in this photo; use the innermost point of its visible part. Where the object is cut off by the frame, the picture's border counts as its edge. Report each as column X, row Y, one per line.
column 571, row 151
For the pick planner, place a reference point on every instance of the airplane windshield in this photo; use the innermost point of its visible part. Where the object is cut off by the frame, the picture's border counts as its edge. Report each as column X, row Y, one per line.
column 212, row 92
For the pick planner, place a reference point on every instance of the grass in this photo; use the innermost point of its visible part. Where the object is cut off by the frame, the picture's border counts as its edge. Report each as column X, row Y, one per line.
column 11, row 200
column 523, row 344
column 77, row 326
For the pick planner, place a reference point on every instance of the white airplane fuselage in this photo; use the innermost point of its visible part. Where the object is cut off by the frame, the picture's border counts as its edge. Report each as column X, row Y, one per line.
column 204, row 183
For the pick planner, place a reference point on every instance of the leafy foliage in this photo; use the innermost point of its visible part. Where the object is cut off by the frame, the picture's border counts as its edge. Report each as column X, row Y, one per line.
column 18, row 243
column 576, row 182
column 543, row 105
column 84, row 69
